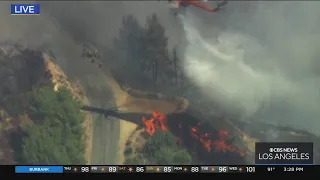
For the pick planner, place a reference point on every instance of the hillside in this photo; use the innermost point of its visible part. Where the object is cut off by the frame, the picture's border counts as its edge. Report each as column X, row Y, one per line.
column 22, row 72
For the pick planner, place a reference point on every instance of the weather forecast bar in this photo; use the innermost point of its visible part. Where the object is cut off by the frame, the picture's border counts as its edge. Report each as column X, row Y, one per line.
column 191, row 169
column 273, row 168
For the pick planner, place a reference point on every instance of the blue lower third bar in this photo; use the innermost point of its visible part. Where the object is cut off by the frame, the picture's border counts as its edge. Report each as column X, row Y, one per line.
column 39, row 169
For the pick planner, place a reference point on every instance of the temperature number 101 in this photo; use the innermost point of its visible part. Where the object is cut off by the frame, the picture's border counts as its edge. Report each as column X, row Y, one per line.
column 251, row 169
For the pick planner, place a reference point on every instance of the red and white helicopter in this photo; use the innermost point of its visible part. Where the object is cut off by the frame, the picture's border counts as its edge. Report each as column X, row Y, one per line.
column 200, row 4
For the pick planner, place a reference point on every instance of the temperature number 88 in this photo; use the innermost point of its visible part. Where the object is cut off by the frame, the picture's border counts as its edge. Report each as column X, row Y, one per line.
column 194, row 169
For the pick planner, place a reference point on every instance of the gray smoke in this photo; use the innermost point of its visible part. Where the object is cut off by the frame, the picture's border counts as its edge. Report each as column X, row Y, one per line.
column 66, row 25
column 261, row 57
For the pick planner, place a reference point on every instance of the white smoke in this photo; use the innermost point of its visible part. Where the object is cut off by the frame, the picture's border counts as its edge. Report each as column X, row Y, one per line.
column 268, row 65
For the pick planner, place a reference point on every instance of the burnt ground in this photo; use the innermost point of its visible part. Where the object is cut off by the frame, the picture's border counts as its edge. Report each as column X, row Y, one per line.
column 180, row 124
column 213, row 124
column 183, row 132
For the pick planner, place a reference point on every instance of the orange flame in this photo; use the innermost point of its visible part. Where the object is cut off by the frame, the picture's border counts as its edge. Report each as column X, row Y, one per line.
column 223, row 134
column 206, row 143
column 157, row 120
column 219, row 145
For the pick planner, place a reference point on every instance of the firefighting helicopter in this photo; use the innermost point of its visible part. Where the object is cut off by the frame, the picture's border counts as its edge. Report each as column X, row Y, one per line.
column 92, row 53
column 200, row 4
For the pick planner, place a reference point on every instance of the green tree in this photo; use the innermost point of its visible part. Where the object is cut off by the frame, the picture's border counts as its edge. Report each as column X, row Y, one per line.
column 175, row 62
column 161, row 149
column 182, row 156
column 57, row 135
column 158, row 140
column 129, row 43
column 135, row 160
column 155, row 41
column 181, row 81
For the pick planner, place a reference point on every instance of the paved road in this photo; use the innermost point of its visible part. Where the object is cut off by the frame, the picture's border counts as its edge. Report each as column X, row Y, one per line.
column 105, row 130
column 105, row 140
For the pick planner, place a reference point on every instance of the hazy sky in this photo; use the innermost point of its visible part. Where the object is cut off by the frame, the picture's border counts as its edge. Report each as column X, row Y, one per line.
column 261, row 55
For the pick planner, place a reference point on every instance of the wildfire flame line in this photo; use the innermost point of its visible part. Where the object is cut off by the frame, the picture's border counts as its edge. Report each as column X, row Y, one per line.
column 159, row 121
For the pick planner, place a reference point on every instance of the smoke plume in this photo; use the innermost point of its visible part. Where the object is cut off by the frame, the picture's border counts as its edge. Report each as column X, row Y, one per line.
column 260, row 57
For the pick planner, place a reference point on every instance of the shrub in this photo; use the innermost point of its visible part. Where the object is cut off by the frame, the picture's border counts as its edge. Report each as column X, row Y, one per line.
column 57, row 135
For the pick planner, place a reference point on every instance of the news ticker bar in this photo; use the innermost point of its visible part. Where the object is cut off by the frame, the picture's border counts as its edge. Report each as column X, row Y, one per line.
column 157, row 169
